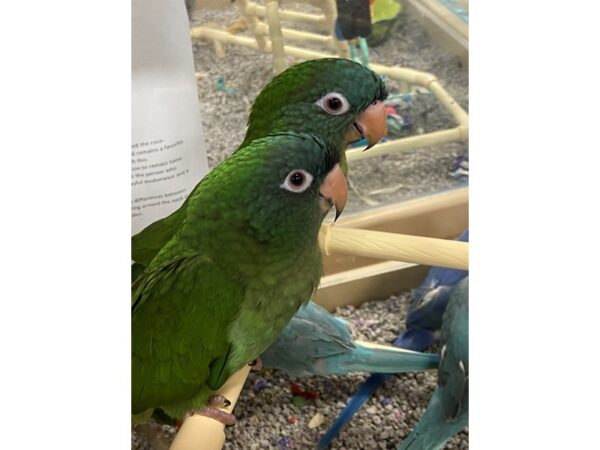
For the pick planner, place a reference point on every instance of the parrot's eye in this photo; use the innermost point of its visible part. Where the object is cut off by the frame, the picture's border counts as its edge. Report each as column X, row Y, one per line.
column 334, row 103
column 297, row 180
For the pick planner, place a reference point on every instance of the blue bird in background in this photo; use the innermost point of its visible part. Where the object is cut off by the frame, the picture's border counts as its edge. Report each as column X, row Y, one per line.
column 424, row 316
column 315, row 342
column 448, row 410
column 423, row 320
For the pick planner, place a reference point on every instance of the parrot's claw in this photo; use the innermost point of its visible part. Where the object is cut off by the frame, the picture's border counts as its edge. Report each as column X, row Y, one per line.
column 218, row 401
column 256, row 364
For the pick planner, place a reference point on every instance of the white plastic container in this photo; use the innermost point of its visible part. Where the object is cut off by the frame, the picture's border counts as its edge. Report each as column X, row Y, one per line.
column 168, row 152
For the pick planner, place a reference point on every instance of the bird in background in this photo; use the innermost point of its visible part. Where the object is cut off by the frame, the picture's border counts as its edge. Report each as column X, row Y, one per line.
column 448, row 410
column 424, row 317
column 316, row 342
column 423, row 321
column 241, row 261
column 353, row 19
column 336, row 99
column 353, row 24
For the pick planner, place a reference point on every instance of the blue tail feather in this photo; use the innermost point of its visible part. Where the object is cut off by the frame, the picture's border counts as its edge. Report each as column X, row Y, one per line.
column 354, row 404
column 366, row 359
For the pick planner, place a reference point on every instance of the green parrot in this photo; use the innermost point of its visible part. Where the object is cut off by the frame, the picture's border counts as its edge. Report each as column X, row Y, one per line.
column 337, row 99
column 238, row 265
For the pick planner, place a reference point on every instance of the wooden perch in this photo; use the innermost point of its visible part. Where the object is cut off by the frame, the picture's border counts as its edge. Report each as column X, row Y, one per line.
column 396, row 247
column 279, row 60
column 204, row 433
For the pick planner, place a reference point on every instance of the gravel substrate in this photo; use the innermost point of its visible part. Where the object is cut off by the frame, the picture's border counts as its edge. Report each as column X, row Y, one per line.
column 267, row 416
column 270, row 418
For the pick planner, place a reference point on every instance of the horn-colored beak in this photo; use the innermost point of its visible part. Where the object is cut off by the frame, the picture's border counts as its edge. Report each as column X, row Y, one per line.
column 371, row 125
column 334, row 190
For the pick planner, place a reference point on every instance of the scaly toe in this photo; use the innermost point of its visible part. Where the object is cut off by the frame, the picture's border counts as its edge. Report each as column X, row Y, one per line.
column 214, row 413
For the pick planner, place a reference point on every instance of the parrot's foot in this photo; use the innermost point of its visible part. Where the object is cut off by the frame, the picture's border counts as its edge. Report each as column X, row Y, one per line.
column 256, row 364
column 212, row 410
column 214, row 413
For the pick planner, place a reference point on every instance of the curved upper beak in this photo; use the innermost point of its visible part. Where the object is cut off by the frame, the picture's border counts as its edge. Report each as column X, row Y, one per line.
column 334, row 190
column 371, row 125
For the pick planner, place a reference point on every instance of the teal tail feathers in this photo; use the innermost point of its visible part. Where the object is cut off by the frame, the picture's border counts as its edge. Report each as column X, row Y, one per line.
column 370, row 358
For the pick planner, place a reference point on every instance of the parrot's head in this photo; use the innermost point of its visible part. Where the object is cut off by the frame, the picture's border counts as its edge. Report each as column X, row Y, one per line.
column 334, row 98
column 282, row 185
column 300, row 179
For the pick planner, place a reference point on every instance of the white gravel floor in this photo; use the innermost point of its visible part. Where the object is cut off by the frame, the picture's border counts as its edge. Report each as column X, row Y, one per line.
column 267, row 416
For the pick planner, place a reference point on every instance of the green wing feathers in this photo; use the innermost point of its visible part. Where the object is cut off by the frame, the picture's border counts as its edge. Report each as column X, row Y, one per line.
column 148, row 242
column 172, row 344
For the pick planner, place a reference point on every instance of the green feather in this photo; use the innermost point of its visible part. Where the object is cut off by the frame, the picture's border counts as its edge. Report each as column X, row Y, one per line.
column 145, row 245
column 170, row 355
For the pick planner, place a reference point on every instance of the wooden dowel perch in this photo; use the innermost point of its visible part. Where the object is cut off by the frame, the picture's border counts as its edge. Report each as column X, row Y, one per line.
column 392, row 246
column 204, row 433
column 456, row 134
column 259, row 10
column 279, row 61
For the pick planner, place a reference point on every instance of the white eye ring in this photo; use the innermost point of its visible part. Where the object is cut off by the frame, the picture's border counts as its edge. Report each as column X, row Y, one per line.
column 334, row 103
column 297, row 181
